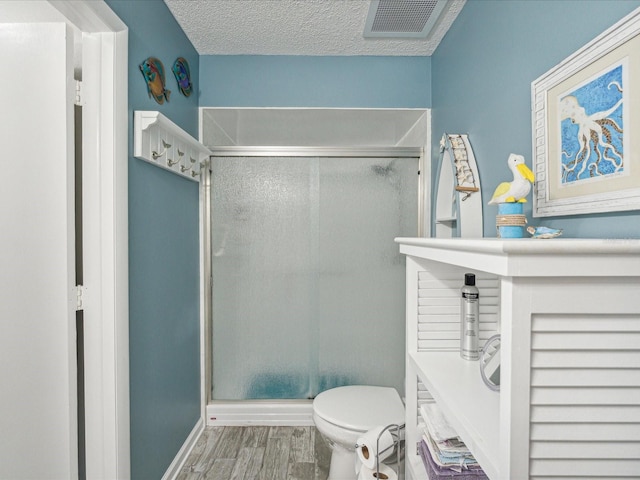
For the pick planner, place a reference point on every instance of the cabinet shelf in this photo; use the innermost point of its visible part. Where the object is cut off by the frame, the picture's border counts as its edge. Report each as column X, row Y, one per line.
column 451, row 219
column 470, row 407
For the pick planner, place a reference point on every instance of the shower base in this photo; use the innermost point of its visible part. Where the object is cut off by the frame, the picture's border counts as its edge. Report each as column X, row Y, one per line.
column 260, row 412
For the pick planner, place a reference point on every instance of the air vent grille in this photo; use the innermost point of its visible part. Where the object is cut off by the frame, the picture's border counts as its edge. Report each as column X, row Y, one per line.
column 403, row 18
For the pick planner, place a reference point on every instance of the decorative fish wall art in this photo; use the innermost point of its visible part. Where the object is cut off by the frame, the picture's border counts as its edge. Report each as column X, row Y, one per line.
column 183, row 76
column 153, row 73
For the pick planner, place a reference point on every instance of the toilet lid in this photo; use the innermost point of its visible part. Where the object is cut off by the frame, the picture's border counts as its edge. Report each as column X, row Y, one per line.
column 360, row 407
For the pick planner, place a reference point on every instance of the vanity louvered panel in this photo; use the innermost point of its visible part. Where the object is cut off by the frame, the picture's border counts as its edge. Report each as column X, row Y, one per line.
column 423, row 396
column 439, row 308
column 585, row 396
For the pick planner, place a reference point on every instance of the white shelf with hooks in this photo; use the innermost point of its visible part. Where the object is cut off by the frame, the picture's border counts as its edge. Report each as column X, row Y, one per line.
column 159, row 141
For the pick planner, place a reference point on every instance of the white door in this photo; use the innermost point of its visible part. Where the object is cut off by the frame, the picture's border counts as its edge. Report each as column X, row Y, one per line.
column 38, row 419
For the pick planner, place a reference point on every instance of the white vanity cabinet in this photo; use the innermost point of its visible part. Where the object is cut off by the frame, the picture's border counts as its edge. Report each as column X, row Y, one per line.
column 568, row 312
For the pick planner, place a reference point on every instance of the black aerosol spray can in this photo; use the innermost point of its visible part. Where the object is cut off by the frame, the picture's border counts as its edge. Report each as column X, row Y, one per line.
column 469, row 328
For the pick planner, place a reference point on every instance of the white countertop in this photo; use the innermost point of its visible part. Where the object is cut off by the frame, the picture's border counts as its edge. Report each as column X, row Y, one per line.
column 522, row 256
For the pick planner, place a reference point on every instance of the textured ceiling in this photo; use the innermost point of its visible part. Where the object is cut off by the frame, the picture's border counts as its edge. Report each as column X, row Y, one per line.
column 293, row 27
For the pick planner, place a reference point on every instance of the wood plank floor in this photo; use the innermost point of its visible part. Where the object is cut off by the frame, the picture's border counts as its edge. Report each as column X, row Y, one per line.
column 258, row 453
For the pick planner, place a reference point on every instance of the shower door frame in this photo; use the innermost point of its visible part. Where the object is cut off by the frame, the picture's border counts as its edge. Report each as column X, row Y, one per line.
column 277, row 412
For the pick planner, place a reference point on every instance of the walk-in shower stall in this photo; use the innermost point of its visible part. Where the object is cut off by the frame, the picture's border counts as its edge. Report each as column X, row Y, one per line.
column 307, row 285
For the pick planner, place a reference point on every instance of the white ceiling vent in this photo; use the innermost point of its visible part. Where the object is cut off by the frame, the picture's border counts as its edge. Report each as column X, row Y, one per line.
column 404, row 18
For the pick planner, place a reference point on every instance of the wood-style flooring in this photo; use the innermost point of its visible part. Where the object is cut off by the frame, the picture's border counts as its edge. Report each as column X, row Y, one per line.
column 258, row 453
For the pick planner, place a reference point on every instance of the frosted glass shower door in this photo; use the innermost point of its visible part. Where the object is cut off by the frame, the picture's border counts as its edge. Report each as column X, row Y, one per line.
column 364, row 204
column 263, row 267
column 308, row 285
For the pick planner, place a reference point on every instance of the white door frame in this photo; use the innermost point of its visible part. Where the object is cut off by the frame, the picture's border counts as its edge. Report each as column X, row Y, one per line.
column 105, row 227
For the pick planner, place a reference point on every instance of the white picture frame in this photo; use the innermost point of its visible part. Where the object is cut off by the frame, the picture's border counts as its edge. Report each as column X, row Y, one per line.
column 586, row 127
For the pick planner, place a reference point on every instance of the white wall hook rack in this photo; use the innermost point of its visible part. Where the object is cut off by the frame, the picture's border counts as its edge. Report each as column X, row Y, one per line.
column 159, row 141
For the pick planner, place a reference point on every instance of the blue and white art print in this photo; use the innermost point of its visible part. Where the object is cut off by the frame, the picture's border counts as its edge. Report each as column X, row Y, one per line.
column 592, row 125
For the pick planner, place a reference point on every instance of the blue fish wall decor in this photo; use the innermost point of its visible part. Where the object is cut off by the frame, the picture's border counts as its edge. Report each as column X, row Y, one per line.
column 153, row 73
column 183, row 76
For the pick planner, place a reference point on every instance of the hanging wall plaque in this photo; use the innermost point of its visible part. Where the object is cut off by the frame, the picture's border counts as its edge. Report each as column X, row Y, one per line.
column 183, row 76
column 153, row 73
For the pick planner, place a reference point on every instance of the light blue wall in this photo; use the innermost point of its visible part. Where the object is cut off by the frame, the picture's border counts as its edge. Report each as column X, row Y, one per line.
column 303, row 81
column 163, row 258
column 481, row 85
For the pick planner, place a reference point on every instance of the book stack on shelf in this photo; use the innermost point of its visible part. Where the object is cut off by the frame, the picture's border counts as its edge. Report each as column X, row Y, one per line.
column 443, row 453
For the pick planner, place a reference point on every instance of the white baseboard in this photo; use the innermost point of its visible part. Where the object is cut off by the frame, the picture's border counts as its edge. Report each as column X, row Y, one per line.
column 179, row 460
column 260, row 412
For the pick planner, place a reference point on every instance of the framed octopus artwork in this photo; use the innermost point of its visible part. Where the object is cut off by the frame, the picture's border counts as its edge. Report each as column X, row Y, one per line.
column 586, row 127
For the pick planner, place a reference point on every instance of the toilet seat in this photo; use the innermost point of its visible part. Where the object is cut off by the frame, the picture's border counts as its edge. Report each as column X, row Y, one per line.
column 360, row 407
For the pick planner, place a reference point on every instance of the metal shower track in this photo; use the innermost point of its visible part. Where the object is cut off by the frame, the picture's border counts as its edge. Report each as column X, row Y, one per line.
column 363, row 152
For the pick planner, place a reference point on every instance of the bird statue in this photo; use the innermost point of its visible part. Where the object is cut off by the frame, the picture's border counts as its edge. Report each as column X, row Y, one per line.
column 544, row 232
column 519, row 188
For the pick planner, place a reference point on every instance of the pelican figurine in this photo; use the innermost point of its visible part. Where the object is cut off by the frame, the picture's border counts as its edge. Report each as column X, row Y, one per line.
column 519, row 188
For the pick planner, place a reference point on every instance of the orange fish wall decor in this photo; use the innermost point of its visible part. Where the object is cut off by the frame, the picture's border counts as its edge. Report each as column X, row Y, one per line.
column 153, row 73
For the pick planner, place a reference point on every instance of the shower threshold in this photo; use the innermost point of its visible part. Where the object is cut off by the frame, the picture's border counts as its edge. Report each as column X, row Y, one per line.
column 260, row 412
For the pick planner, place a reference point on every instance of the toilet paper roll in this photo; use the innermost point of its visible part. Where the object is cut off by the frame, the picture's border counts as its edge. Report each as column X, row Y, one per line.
column 386, row 473
column 368, row 446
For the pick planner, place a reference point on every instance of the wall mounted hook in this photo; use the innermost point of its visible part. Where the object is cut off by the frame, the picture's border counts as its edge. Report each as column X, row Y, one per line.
column 172, row 162
column 192, row 163
column 157, row 155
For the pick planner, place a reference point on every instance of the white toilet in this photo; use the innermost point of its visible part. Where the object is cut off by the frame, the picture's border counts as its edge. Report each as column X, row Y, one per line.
column 343, row 414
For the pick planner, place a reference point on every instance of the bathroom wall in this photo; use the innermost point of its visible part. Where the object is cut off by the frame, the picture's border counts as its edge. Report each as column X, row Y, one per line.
column 163, row 257
column 315, row 81
column 481, row 85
